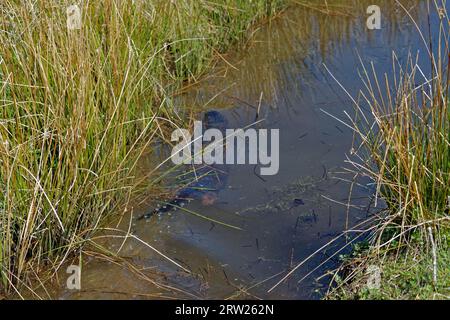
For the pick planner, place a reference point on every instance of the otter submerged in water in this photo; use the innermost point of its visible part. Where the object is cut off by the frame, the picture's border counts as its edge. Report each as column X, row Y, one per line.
column 207, row 180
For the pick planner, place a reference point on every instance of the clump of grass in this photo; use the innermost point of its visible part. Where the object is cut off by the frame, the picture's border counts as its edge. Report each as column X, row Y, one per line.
column 405, row 148
column 78, row 107
column 405, row 276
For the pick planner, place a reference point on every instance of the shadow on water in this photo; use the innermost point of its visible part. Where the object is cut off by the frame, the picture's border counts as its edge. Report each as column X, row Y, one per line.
column 286, row 217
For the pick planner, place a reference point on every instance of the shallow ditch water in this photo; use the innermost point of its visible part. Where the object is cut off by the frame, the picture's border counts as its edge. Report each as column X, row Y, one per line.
column 287, row 217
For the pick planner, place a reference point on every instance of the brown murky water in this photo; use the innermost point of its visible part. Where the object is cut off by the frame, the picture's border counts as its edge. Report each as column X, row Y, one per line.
column 282, row 73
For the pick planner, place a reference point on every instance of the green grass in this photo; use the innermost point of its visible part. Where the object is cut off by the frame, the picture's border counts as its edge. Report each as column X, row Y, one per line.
column 78, row 108
column 405, row 276
column 411, row 277
column 404, row 146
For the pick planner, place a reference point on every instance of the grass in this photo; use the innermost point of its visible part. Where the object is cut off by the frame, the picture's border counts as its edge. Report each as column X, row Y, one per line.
column 78, row 108
column 404, row 146
column 404, row 277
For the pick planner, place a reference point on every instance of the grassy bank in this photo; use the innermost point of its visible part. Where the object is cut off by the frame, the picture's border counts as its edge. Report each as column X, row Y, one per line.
column 79, row 106
column 404, row 146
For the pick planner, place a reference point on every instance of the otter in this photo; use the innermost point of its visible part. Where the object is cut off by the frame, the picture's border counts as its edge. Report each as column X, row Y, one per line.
column 207, row 180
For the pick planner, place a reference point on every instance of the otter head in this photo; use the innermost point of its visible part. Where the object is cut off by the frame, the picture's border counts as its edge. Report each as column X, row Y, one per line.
column 214, row 119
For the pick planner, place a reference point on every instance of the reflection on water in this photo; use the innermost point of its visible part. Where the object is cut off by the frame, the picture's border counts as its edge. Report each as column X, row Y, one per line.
column 281, row 78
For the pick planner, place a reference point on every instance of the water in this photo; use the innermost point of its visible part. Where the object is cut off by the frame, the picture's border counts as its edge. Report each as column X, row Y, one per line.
column 287, row 217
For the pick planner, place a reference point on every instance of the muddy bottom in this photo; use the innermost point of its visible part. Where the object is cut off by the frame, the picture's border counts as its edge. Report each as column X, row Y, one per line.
column 285, row 78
